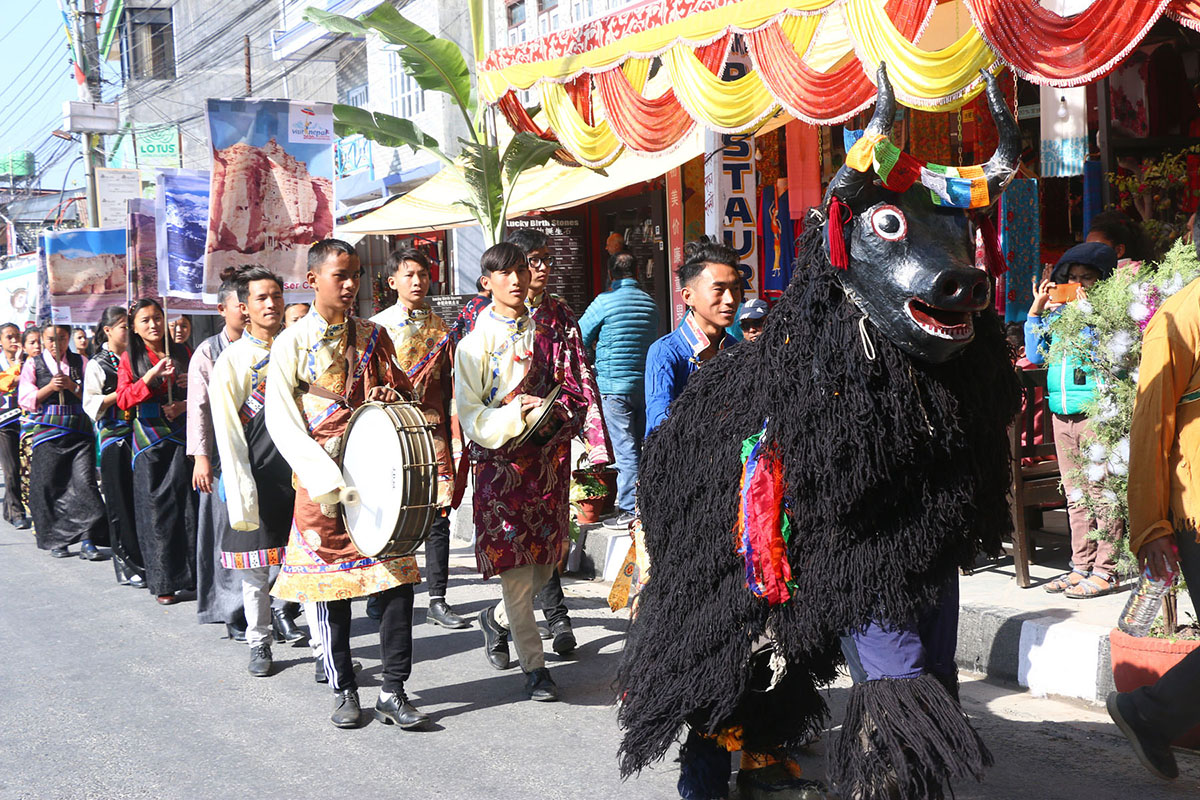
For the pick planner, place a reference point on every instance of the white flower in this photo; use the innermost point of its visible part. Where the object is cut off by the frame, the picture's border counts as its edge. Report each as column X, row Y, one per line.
column 1139, row 311
column 1175, row 284
column 1075, row 495
column 1139, row 292
column 1097, row 453
column 1117, row 467
column 1108, row 410
column 1109, row 496
column 1122, row 449
column 1118, row 345
column 1096, row 473
column 1134, row 375
column 1084, row 306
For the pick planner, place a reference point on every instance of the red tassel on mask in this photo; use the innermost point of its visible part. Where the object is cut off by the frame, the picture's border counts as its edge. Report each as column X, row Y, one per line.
column 835, row 231
column 996, row 265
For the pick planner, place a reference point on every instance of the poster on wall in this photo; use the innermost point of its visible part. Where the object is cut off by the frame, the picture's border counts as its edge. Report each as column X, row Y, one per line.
column 19, row 291
column 115, row 188
column 85, row 273
column 142, row 260
column 157, row 146
column 567, row 244
column 181, row 218
column 271, row 194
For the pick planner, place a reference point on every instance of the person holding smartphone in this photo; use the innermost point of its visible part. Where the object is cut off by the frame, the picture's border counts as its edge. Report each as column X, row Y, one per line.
column 1071, row 385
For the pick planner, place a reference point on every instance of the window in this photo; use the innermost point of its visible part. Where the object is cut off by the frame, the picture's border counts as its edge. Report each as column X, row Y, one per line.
column 516, row 14
column 581, row 10
column 546, row 5
column 358, row 96
column 408, row 99
column 147, row 44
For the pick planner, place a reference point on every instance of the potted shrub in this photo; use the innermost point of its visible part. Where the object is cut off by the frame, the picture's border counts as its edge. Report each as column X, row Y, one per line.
column 587, row 496
column 1117, row 310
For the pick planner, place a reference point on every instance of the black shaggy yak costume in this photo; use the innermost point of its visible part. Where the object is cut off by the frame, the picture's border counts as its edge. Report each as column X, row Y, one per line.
column 896, row 474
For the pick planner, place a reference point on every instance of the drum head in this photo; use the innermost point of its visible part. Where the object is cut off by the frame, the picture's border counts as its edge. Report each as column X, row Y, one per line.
column 373, row 461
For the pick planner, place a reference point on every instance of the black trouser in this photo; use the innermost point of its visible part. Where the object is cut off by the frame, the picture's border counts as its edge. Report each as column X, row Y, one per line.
column 437, row 556
column 550, row 598
column 116, row 478
column 395, row 639
column 10, row 464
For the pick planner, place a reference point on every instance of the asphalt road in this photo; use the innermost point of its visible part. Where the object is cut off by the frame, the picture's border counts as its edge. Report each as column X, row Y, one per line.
column 107, row 695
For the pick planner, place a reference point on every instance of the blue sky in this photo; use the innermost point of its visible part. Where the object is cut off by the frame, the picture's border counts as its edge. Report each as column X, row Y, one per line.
column 35, row 79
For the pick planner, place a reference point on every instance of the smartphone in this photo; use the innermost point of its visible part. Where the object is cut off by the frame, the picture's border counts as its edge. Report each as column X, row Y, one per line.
column 1065, row 292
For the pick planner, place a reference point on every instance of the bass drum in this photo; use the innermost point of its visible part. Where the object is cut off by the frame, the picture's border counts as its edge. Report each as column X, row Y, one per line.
column 388, row 458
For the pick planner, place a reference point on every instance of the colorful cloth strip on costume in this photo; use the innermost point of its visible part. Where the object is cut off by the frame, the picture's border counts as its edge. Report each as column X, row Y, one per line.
column 270, row 557
column 113, row 427
column 954, row 187
column 762, row 526
column 432, row 354
column 359, row 368
column 150, row 427
column 254, row 403
column 54, row 422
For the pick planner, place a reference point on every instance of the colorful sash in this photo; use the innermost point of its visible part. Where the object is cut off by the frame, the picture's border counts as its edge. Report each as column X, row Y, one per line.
column 360, row 367
column 254, row 404
column 113, row 427
column 151, row 428
column 54, row 422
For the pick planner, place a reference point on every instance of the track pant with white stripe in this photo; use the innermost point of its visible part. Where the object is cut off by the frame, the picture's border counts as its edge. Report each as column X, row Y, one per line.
column 395, row 639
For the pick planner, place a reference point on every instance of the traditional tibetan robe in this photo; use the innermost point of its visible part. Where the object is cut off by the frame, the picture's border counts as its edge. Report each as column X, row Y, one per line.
column 424, row 351
column 164, row 503
column 63, row 497
column 114, row 431
column 321, row 563
column 520, row 503
column 553, row 312
column 10, row 439
column 256, row 481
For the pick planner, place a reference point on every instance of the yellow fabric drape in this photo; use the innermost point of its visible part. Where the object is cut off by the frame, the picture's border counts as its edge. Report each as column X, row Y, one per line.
column 699, row 28
column 940, row 79
column 733, row 106
column 592, row 145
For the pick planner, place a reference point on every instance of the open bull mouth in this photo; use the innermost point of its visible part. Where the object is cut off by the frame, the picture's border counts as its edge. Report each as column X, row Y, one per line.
column 941, row 322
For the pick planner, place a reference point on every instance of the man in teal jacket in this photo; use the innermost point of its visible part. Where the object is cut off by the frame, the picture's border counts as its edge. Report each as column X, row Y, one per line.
column 1071, row 386
column 621, row 324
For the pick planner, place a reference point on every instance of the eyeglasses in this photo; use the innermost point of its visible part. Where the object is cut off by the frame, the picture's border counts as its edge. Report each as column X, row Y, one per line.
column 541, row 263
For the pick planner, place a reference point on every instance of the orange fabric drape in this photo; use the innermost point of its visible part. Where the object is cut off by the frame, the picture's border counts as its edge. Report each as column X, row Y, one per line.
column 1064, row 51
column 651, row 124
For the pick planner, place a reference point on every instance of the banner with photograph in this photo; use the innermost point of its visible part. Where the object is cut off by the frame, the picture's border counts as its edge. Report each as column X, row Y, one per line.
column 142, row 259
column 272, row 188
column 19, row 291
column 85, row 273
column 181, row 218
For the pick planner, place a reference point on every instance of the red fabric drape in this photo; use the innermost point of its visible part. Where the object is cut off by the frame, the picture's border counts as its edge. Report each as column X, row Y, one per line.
column 520, row 120
column 651, row 125
column 1064, row 51
column 1186, row 12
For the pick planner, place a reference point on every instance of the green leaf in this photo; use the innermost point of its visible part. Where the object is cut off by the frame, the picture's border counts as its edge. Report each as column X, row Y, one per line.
column 389, row 131
column 334, row 22
column 481, row 173
column 524, row 152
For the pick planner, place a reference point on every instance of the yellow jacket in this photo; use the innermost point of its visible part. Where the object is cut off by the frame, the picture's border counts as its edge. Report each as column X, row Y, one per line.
column 1164, row 442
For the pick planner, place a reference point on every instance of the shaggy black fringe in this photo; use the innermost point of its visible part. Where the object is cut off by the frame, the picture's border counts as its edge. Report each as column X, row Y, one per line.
column 897, row 473
column 906, row 734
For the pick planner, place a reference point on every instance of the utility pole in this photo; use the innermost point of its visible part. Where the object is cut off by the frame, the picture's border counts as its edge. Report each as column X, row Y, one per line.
column 89, row 91
column 246, row 50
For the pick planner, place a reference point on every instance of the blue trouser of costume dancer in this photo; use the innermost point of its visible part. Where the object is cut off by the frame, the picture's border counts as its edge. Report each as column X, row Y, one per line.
column 880, row 650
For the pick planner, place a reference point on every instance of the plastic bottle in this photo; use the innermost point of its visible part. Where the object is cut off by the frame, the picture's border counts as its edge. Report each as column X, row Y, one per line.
column 1144, row 603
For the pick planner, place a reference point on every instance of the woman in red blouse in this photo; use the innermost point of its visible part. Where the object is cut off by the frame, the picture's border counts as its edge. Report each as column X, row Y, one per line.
column 152, row 381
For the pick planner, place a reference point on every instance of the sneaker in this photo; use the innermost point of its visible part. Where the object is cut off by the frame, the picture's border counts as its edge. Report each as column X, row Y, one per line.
column 346, row 711
column 540, row 686
column 260, row 661
column 620, row 522
column 1152, row 750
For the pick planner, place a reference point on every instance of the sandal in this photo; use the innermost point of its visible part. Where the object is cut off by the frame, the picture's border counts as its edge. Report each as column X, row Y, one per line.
column 1093, row 586
column 1065, row 581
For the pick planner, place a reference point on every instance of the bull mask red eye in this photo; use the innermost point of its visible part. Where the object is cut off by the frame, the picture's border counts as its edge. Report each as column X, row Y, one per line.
column 889, row 224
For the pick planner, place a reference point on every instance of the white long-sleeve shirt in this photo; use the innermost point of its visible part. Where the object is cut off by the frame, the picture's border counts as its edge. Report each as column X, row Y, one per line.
column 238, row 370
column 491, row 361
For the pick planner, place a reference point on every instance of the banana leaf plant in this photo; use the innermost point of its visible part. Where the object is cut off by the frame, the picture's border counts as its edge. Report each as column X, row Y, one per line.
column 438, row 65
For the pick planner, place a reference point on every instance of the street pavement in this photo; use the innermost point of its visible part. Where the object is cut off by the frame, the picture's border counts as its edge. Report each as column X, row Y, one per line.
column 107, row 695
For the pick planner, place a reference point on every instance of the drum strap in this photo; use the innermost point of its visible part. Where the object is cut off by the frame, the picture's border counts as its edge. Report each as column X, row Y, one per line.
column 351, row 363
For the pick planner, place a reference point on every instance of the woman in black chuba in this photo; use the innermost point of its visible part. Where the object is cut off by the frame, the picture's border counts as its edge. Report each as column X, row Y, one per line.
column 152, row 381
column 62, row 494
column 114, row 429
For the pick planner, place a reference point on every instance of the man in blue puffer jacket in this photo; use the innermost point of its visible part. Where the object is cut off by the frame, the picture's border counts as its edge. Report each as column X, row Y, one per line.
column 621, row 324
column 1071, row 386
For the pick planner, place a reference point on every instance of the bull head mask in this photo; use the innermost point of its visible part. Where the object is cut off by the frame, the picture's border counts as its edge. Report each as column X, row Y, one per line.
column 909, row 261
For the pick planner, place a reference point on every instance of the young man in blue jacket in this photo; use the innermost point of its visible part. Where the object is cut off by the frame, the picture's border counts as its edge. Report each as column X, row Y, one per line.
column 621, row 324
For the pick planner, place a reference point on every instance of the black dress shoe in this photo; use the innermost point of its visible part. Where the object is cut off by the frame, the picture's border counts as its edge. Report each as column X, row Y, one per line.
column 440, row 613
column 321, row 677
column 60, row 552
column 234, row 632
column 564, row 637
column 120, row 570
column 88, row 551
column 495, row 640
column 260, row 661
column 137, row 581
column 540, row 686
column 346, row 711
column 285, row 629
column 396, row 710
column 543, row 632
column 1151, row 748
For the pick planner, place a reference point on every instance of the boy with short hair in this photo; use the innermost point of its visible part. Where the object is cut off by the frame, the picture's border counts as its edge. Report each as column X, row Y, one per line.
column 423, row 350
column 503, row 370
column 255, row 478
column 312, row 390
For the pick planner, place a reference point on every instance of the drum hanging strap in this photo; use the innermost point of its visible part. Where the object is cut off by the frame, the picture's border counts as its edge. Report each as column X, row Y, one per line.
column 351, row 364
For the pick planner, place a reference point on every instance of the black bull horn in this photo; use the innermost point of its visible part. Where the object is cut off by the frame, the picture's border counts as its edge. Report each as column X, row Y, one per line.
column 999, row 169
